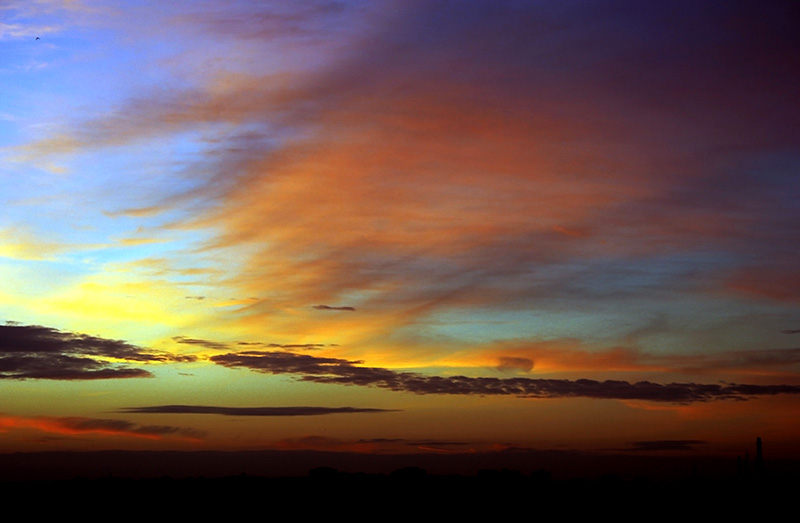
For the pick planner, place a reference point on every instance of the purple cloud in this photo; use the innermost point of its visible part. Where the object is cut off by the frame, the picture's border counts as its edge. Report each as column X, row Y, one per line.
column 37, row 352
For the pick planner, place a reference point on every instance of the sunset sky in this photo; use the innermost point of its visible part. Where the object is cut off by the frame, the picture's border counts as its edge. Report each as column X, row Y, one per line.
column 400, row 226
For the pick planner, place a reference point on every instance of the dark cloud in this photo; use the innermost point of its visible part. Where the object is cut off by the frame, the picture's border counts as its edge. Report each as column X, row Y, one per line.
column 287, row 346
column 210, row 344
column 333, row 308
column 791, row 331
column 511, row 364
column 122, row 426
column 344, row 372
column 294, row 346
column 439, row 443
column 249, row 411
column 73, row 425
column 275, row 362
column 682, row 445
column 203, row 343
column 36, row 352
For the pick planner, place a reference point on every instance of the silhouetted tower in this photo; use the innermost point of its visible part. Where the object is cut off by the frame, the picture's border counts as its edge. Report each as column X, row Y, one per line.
column 759, row 465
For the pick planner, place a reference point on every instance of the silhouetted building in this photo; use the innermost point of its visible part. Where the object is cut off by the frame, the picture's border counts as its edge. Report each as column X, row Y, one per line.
column 743, row 467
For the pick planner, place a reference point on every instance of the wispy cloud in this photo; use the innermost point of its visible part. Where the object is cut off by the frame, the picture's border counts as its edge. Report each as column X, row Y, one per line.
column 21, row 244
column 479, row 181
column 421, row 184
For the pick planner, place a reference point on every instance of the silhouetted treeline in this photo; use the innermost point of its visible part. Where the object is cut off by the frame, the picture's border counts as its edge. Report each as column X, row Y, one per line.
column 415, row 487
column 188, row 483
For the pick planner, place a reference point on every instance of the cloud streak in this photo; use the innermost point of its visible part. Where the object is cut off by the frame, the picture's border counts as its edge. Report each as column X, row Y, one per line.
column 344, row 372
column 249, row 411
column 334, row 308
column 84, row 425
column 666, row 445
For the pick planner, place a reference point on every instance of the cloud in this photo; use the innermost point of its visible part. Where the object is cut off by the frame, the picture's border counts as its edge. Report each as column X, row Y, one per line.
column 82, row 425
column 573, row 355
column 295, row 346
column 479, row 181
column 249, row 411
column 753, row 360
column 202, row 343
column 23, row 244
column 37, row 352
column 217, row 345
column 518, row 165
column 10, row 31
column 266, row 22
column 657, row 445
column 777, row 281
column 509, row 363
column 139, row 212
column 344, row 372
column 387, row 446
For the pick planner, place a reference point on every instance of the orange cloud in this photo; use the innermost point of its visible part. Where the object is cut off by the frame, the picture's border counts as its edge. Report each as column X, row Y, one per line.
column 572, row 357
column 71, row 426
column 400, row 182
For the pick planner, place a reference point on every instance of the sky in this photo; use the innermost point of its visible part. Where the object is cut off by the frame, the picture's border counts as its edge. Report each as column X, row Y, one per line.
column 400, row 226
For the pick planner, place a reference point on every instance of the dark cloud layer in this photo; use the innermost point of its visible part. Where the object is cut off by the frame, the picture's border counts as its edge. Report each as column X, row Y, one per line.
column 344, row 372
column 37, row 352
column 124, row 427
column 218, row 345
column 200, row 342
column 248, row 411
column 85, row 425
column 656, row 445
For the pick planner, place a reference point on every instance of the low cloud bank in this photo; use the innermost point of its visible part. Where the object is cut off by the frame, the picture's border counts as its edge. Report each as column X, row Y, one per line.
column 345, row 372
column 37, row 352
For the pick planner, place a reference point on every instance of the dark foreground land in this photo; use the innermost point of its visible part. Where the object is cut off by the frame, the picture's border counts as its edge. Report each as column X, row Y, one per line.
column 415, row 493
column 186, row 484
